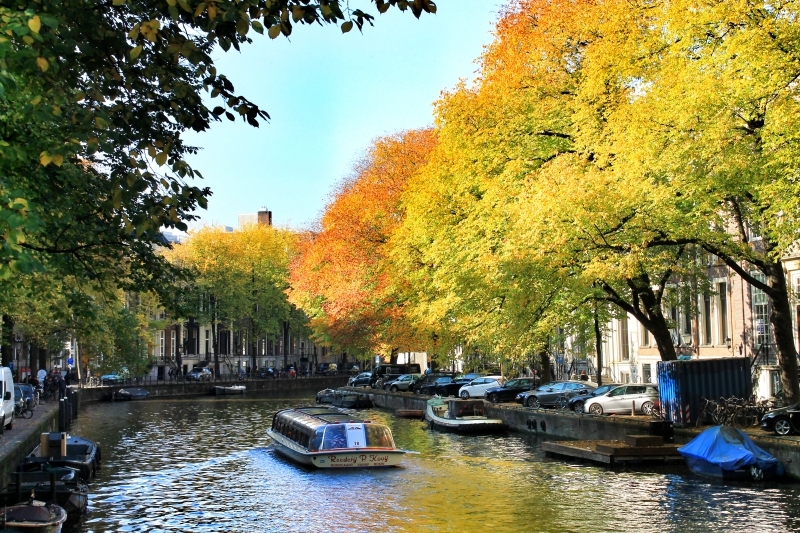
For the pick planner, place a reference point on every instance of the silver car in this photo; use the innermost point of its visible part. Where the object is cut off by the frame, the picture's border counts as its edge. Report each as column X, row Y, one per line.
column 402, row 383
column 639, row 397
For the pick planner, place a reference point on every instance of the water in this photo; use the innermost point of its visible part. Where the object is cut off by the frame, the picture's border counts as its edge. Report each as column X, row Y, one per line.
column 205, row 465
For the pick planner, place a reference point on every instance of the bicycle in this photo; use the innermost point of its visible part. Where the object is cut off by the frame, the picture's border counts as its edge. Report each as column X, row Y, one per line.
column 21, row 410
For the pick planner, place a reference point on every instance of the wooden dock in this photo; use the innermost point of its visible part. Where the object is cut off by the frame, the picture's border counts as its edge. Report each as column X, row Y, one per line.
column 635, row 449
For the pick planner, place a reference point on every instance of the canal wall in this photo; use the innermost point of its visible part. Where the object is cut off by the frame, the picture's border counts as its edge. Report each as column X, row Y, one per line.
column 268, row 387
column 559, row 424
column 18, row 442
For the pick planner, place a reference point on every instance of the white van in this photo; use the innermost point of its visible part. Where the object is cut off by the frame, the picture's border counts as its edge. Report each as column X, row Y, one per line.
column 7, row 395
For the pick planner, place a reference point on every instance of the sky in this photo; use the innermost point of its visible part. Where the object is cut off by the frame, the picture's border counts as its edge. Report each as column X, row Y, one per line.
column 329, row 95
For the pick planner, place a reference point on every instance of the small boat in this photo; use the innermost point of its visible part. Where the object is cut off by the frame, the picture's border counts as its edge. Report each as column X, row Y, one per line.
column 232, row 389
column 329, row 438
column 325, row 396
column 351, row 399
column 409, row 413
column 130, row 394
column 61, row 449
column 60, row 485
column 728, row 453
column 461, row 416
column 33, row 517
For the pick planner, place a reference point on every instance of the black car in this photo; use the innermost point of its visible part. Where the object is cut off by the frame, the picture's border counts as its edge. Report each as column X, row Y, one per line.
column 361, row 380
column 426, row 379
column 265, row 373
column 509, row 390
column 554, row 394
column 429, row 388
column 782, row 421
column 576, row 402
column 451, row 388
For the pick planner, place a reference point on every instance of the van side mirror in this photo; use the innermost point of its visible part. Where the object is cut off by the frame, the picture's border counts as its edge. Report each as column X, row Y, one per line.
column 7, row 396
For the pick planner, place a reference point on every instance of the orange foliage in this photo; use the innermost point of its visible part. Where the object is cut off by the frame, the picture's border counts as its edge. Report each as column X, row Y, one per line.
column 339, row 277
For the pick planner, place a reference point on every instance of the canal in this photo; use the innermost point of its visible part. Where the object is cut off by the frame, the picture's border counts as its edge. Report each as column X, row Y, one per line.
column 205, row 465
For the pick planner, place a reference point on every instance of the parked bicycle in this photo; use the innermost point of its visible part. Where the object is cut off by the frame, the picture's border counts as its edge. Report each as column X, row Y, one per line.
column 21, row 409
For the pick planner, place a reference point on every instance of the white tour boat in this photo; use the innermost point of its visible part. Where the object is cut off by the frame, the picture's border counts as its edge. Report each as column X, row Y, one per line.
column 328, row 438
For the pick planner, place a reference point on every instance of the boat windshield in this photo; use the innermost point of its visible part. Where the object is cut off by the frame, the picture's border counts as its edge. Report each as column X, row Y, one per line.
column 338, row 436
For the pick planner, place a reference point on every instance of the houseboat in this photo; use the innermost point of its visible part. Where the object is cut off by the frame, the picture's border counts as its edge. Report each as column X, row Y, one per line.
column 461, row 416
column 328, row 438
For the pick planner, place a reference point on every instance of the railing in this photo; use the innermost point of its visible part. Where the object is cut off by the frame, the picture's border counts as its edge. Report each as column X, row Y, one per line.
column 94, row 381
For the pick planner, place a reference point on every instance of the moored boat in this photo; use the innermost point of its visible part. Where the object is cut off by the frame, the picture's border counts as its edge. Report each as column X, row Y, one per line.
column 219, row 390
column 61, row 449
column 134, row 393
column 461, row 416
column 325, row 396
column 329, row 438
column 728, row 453
column 351, row 399
column 58, row 484
column 33, row 517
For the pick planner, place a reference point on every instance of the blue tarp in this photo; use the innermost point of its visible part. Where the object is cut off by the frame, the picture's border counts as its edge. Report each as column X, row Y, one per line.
column 729, row 449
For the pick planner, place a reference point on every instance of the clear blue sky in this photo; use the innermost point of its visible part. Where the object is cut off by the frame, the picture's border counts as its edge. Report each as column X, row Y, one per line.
column 329, row 94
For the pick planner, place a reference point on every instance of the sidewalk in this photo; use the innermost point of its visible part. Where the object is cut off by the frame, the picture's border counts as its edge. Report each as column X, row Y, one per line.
column 16, row 443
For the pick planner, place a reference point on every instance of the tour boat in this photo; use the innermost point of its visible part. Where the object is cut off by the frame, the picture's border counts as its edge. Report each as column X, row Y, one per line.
column 328, row 438
column 461, row 416
column 61, row 449
column 233, row 389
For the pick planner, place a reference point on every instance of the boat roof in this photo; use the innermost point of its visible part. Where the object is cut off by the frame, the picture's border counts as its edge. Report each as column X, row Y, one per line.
column 319, row 416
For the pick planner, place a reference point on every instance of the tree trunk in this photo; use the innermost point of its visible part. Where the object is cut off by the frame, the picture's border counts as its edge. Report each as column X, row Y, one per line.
column 781, row 320
column 7, row 340
column 545, row 373
column 393, row 356
column 598, row 339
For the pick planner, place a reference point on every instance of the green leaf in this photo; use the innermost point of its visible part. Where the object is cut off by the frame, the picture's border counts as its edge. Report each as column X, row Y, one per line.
column 161, row 158
column 274, row 31
column 347, row 26
column 136, row 51
column 257, row 26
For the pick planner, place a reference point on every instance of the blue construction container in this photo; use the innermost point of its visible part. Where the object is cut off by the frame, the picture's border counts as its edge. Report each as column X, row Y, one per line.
column 682, row 385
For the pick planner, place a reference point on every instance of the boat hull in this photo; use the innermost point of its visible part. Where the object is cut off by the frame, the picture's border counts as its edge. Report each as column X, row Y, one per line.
column 467, row 424
column 82, row 455
column 409, row 413
column 748, row 473
column 136, row 394
column 224, row 391
column 33, row 518
column 365, row 458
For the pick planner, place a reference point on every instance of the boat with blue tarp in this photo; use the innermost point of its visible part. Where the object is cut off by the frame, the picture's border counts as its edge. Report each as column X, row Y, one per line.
column 728, row 453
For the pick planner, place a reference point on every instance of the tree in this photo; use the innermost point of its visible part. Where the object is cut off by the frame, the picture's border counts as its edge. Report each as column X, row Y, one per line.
column 341, row 277
column 95, row 99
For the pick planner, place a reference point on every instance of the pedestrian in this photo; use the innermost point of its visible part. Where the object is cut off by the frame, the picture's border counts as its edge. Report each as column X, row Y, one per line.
column 62, row 387
column 42, row 374
column 536, row 379
column 584, row 376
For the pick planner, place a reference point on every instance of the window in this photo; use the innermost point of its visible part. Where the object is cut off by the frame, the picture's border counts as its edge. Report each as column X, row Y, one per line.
column 647, row 373
column 707, row 319
column 760, row 309
column 624, row 377
column 625, row 352
column 619, row 391
column 172, row 343
column 161, row 344
column 645, row 336
column 722, row 300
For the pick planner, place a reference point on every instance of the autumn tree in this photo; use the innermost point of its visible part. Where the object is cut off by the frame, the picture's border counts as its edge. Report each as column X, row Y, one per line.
column 341, row 275
column 237, row 280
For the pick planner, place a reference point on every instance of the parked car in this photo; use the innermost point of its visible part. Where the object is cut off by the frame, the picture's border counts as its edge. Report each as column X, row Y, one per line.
column 451, row 388
column 641, row 397
column 478, row 386
column 111, row 379
column 199, row 374
column 361, row 380
column 782, row 421
column 509, row 390
column 429, row 388
column 554, row 394
column 402, row 383
column 576, row 403
column 426, row 379
column 264, row 373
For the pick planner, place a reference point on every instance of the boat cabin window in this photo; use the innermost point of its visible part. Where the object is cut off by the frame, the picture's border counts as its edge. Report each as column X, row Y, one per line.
column 378, row 436
column 334, row 437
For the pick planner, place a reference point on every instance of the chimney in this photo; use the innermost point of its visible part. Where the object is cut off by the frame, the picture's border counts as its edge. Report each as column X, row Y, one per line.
column 264, row 217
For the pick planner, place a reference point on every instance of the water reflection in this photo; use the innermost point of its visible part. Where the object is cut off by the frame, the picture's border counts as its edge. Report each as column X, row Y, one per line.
column 205, row 465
